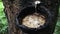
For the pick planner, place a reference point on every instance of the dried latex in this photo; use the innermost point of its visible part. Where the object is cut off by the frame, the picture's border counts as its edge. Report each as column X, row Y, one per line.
column 34, row 21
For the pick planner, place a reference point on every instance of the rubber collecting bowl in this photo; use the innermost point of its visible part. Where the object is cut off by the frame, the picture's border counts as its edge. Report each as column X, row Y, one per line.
column 33, row 19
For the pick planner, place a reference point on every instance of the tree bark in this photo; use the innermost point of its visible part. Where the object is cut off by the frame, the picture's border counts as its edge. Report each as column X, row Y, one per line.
column 13, row 7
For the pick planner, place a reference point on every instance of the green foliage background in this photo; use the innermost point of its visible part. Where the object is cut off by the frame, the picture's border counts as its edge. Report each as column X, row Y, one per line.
column 4, row 24
column 3, row 20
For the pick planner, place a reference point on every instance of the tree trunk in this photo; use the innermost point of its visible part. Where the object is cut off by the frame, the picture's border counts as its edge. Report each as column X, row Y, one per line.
column 14, row 7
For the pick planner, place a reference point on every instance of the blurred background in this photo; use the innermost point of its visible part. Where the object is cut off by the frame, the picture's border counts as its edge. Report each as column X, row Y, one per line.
column 4, row 24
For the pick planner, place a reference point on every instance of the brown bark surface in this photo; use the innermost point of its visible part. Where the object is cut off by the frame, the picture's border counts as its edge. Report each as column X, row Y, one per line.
column 13, row 7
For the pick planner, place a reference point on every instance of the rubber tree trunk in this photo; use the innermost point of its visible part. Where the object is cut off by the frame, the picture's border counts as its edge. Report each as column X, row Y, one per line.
column 13, row 7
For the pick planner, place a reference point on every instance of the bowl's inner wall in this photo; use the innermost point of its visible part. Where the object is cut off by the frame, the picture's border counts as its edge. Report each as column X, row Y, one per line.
column 30, row 11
